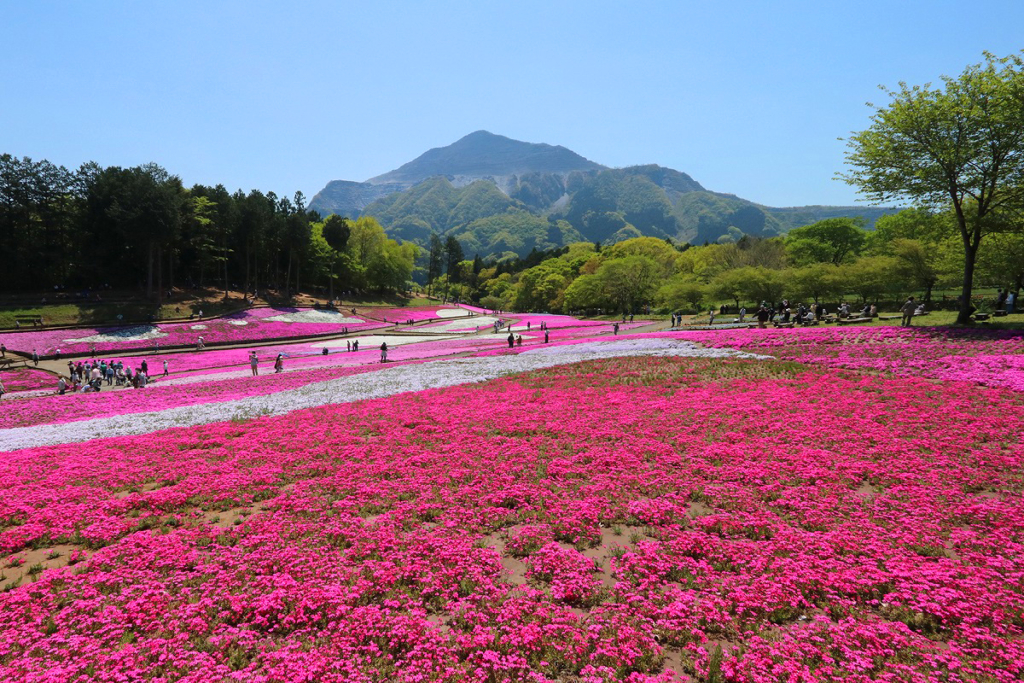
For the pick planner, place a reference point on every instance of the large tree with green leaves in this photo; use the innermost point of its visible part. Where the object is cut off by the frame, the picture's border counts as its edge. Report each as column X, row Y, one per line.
column 959, row 146
column 833, row 240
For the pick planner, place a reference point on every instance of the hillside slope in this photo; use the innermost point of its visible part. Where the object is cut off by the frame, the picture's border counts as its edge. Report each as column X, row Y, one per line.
column 501, row 196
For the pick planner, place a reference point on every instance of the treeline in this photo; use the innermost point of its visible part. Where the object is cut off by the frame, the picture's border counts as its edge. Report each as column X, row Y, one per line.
column 912, row 252
column 141, row 228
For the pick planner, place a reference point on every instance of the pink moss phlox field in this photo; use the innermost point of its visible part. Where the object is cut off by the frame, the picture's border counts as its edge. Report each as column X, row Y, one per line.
column 643, row 519
column 213, row 387
column 402, row 315
column 989, row 357
column 27, row 379
column 250, row 325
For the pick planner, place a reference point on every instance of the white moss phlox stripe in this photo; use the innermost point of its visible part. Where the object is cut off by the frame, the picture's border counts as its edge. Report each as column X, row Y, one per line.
column 384, row 382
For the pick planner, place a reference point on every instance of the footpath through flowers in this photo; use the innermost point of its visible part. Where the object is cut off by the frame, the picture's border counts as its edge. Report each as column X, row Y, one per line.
column 800, row 505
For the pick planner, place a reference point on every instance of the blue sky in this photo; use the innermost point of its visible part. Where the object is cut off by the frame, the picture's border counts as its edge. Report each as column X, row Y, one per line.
column 747, row 97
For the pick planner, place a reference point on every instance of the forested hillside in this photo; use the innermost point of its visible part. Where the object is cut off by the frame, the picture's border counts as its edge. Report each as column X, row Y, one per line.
column 142, row 228
column 503, row 197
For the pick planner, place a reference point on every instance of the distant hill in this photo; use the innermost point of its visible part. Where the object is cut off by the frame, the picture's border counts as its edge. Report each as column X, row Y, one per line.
column 502, row 197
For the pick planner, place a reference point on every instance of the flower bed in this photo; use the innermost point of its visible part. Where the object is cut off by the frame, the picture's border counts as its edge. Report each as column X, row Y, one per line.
column 614, row 520
column 219, row 397
column 256, row 325
column 418, row 314
column 989, row 357
column 27, row 379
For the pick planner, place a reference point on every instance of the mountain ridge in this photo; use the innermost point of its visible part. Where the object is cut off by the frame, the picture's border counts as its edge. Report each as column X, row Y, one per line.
column 502, row 197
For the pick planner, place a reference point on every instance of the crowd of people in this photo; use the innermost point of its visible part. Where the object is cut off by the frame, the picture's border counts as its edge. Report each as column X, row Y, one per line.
column 785, row 313
column 91, row 375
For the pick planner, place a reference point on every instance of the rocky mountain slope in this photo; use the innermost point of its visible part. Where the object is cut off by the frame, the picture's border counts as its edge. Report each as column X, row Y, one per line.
column 502, row 197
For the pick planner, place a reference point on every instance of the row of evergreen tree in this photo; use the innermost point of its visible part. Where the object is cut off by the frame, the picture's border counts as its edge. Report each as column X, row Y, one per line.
column 142, row 228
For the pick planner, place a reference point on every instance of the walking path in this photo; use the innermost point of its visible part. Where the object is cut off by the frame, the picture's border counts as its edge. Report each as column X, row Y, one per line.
column 384, row 382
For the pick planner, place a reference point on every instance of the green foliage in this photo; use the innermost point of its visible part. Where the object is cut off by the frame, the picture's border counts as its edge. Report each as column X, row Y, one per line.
column 518, row 232
column 833, row 240
column 956, row 147
column 815, row 281
column 682, row 293
column 706, row 216
column 872, row 278
column 760, row 284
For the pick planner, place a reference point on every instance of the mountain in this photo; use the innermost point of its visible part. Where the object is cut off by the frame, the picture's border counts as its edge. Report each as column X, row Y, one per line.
column 485, row 155
column 502, row 197
column 477, row 156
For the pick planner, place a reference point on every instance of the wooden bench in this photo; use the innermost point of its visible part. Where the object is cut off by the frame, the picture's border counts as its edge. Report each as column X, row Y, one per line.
column 890, row 317
column 32, row 320
column 854, row 321
column 11, row 363
column 999, row 314
column 981, row 317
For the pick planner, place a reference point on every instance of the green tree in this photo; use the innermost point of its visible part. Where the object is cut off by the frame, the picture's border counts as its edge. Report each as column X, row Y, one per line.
column 959, row 146
column 917, row 264
column 587, row 292
column 761, row 284
column 1001, row 262
column 814, row 281
column 336, row 232
column 629, row 282
column 435, row 260
column 683, row 292
column 872, row 278
column 452, row 257
column 833, row 240
column 728, row 284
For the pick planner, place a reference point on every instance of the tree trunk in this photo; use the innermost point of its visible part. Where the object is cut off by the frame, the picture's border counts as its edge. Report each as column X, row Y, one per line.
column 149, row 272
column 970, row 254
column 159, row 275
column 288, row 277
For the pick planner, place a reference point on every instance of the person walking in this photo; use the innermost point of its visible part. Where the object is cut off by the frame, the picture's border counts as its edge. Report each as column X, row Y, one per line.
column 384, row 352
column 907, row 310
column 2, row 390
column 279, row 363
column 762, row 317
column 35, row 357
column 165, row 368
column 615, row 329
column 546, row 338
column 511, row 340
column 3, row 350
column 254, row 363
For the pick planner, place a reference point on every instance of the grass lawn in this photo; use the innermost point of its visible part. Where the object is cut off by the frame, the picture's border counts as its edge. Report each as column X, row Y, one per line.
column 105, row 313
column 1014, row 321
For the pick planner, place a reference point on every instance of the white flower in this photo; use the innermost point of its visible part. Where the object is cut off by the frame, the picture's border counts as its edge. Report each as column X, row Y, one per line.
column 384, row 382
column 125, row 334
column 315, row 317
